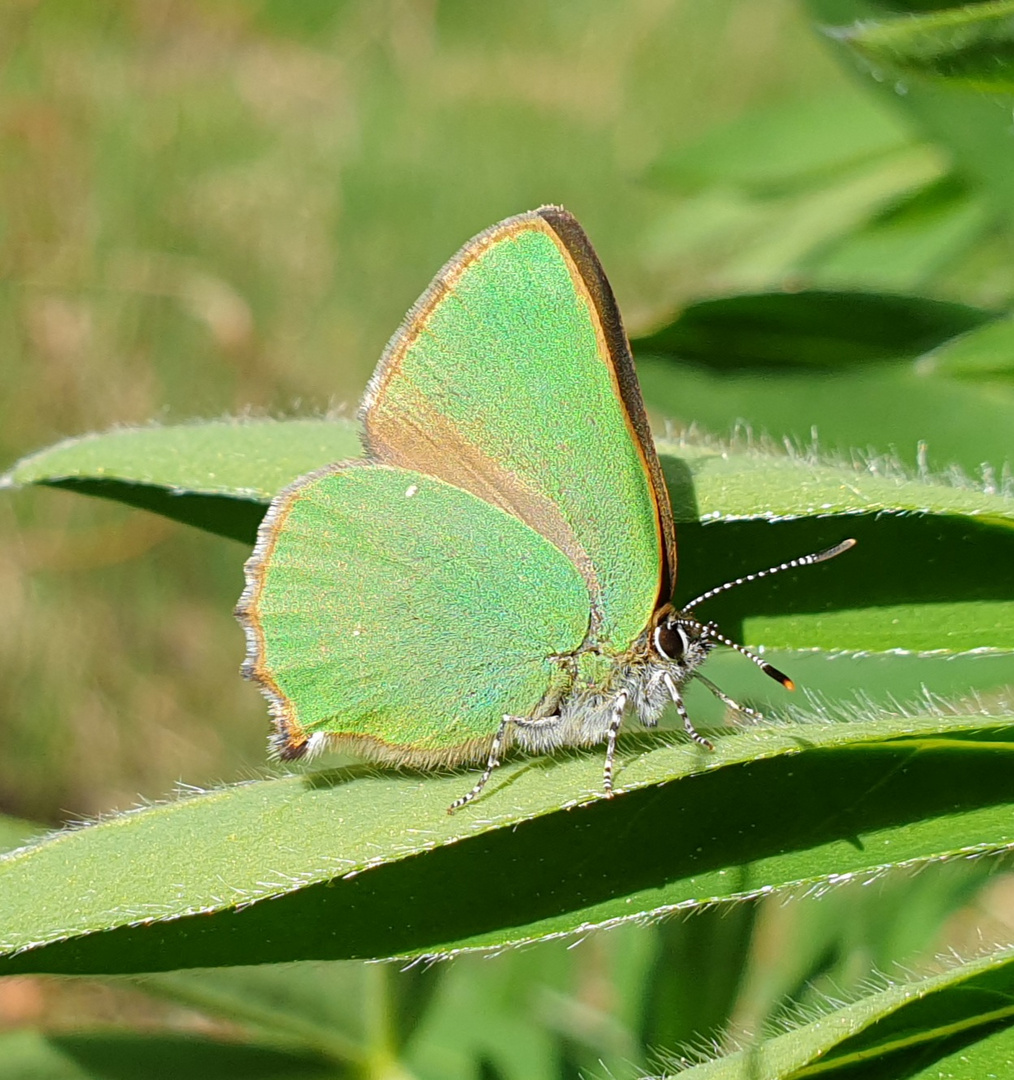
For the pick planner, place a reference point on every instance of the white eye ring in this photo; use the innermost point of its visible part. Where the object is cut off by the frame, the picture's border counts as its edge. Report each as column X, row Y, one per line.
column 684, row 641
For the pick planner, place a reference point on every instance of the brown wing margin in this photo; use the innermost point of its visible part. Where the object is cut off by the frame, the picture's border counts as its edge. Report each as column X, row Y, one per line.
column 622, row 363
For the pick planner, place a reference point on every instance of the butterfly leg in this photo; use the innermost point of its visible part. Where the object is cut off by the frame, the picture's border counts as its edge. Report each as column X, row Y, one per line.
column 491, row 763
column 688, row 726
column 728, row 701
column 494, row 753
column 619, row 705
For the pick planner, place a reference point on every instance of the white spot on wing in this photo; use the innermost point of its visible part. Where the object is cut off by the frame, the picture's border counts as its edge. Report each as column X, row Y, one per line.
column 411, row 490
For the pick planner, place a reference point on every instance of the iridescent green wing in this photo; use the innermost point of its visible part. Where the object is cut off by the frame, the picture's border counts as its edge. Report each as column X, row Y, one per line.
column 404, row 615
column 512, row 378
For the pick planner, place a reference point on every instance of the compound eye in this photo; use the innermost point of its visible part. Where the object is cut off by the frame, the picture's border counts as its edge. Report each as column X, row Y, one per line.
column 671, row 641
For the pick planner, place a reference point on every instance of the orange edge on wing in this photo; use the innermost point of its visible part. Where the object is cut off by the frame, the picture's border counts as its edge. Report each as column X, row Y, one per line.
column 254, row 667
column 420, row 312
column 584, row 266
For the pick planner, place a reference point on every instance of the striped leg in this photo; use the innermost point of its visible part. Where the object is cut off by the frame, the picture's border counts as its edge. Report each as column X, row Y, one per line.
column 494, row 753
column 619, row 705
column 688, row 726
column 728, row 701
column 491, row 763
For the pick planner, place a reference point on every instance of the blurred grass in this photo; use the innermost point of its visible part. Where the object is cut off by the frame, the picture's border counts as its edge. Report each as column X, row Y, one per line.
column 207, row 207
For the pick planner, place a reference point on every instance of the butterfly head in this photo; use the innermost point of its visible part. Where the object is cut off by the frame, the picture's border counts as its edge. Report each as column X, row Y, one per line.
column 679, row 638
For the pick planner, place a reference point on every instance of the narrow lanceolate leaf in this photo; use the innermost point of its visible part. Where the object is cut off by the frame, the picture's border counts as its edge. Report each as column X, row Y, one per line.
column 926, row 574
column 740, row 509
column 962, row 422
column 969, row 44
column 218, row 475
column 838, row 363
column 789, row 147
column 815, row 329
column 989, row 350
column 357, row 864
column 754, row 485
column 959, row 1019
column 31, row 1055
column 328, row 1008
column 166, row 469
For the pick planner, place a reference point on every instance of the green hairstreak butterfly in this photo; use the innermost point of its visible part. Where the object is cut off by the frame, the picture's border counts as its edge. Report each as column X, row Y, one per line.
column 498, row 570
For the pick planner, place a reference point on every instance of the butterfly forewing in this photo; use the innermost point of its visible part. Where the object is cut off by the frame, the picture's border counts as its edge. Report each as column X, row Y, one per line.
column 404, row 614
column 512, row 379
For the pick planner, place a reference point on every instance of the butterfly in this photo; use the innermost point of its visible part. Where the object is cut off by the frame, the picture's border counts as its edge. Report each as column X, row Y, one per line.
column 498, row 570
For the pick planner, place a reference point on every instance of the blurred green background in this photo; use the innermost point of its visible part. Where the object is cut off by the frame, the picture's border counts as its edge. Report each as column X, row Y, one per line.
column 212, row 207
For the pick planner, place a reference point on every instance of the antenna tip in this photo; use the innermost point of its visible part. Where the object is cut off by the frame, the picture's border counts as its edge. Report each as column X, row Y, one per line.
column 838, row 549
column 778, row 676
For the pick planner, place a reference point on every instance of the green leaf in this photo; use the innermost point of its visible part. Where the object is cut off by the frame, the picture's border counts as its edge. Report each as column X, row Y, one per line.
column 351, row 1013
column 526, row 1015
column 752, row 360
column 357, row 864
column 786, row 234
column 909, row 584
column 969, row 44
column 871, row 679
column 947, row 57
column 899, row 417
column 439, row 1020
column 217, row 475
column 679, row 1010
column 492, row 1022
column 910, row 245
column 991, row 1055
column 873, row 599
column 810, row 329
column 779, row 148
column 749, row 483
column 764, row 484
column 913, row 1028
column 894, row 519
column 900, row 920
column 738, row 237
column 30, row 1055
column 988, row 350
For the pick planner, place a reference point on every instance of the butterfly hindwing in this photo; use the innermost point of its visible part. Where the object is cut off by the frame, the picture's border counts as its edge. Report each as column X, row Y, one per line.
column 404, row 615
column 512, row 379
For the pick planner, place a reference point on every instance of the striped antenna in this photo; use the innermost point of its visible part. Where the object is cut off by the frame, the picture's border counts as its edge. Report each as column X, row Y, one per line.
column 803, row 560
column 709, row 630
